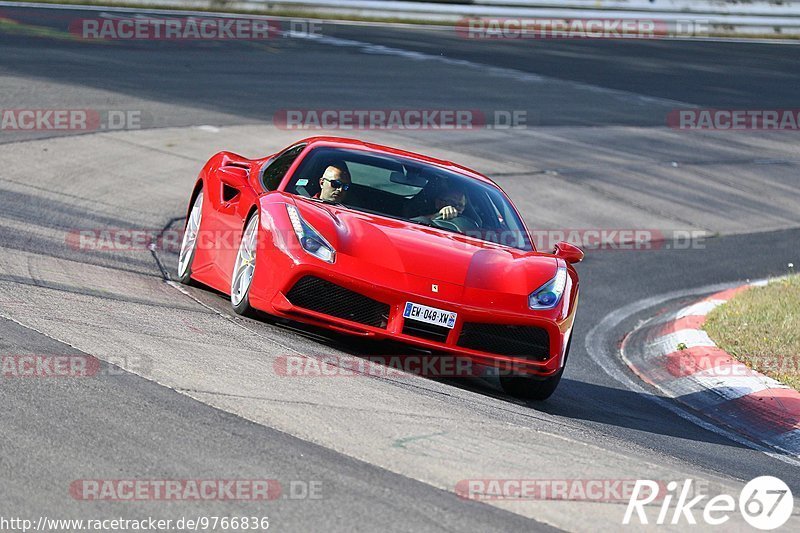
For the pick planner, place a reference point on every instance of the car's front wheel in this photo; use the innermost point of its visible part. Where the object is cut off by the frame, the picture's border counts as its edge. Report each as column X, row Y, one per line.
column 189, row 243
column 534, row 389
column 244, row 268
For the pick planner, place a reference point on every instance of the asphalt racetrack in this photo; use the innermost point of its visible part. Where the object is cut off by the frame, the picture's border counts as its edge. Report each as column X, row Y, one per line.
column 188, row 390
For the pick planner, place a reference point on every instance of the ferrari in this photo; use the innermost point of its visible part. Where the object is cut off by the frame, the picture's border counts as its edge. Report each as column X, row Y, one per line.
column 375, row 241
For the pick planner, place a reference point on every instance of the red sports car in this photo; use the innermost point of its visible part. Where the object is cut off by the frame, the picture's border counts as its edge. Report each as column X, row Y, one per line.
column 375, row 241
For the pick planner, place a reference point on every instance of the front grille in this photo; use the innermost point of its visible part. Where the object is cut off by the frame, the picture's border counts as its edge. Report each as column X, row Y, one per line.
column 425, row 331
column 521, row 341
column 324, row 297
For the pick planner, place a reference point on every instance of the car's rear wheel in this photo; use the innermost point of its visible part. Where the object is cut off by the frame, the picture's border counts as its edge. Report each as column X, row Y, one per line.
column 189, row 243
column 534, row 389
column 244, row 268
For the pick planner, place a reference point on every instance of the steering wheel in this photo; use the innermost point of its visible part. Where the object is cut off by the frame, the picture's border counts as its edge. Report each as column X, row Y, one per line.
column 460, row 224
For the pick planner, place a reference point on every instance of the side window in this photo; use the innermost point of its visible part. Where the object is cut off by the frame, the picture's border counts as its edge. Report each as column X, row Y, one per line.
column 276, row 170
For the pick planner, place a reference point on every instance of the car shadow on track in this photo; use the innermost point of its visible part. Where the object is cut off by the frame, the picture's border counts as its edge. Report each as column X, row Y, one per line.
column 627, row 409
column 576, row 400
column 606, row 408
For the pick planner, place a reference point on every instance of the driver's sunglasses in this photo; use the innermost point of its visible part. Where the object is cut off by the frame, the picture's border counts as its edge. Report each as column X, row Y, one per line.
column 338, row 184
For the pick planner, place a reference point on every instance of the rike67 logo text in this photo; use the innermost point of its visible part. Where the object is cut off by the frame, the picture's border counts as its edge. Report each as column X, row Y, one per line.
column 765, row 503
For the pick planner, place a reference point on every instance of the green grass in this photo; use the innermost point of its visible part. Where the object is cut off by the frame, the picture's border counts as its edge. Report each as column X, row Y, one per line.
column 761, row 328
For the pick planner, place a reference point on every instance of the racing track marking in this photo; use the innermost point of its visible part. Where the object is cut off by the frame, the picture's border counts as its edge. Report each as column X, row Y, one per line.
column 709, row 380
column 517, row 75
column 600, row 337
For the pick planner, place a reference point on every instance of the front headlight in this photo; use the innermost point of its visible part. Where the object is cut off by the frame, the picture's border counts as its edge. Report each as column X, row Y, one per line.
column 548, row 295
column 310, row 239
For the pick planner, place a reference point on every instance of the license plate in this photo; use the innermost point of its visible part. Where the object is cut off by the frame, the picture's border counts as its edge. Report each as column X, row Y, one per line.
column 430, row 315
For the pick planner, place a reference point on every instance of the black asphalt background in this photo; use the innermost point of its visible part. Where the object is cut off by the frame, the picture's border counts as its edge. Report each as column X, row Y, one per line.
column 69, row 424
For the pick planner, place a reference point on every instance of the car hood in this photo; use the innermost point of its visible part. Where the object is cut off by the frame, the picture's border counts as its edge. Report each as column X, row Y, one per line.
column 437, row 255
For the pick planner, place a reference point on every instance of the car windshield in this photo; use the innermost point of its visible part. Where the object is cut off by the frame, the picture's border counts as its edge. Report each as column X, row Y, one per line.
column 406, row 189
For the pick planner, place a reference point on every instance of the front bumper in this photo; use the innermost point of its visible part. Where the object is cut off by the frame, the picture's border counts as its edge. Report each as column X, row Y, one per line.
column 272, row 292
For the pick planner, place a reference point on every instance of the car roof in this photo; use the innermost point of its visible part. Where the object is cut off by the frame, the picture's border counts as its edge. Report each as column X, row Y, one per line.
column 345, row 142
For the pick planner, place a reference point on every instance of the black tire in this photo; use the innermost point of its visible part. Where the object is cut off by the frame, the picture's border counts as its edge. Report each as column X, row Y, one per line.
column 529, row 388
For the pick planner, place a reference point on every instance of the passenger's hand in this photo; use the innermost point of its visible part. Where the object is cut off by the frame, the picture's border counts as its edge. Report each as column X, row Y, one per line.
column 448, row 212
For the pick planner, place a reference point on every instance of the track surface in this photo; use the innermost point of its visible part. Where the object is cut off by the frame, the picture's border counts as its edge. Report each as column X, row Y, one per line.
column 387, row 452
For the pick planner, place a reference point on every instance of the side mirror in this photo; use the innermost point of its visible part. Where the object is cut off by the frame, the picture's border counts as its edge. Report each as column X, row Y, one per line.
column 568, row 252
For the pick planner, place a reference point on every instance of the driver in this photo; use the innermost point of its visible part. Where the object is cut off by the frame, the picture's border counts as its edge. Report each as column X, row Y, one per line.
column 334, row 183
column 451, row 202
